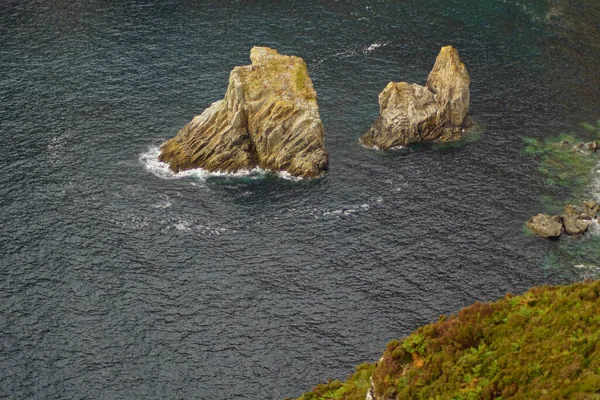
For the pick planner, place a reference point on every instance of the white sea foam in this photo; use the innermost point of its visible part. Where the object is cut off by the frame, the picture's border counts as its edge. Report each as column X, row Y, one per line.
column 588, row 271
column 595, row 183
column 374, row 46
column 353, row 52
column 160, row 169
column 162, row 204
column 287, row 176
column 347, row 210
column 182, row 225
column 134, row 222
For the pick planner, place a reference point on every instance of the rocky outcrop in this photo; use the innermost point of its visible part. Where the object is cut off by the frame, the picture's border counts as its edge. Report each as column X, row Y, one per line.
column 410, row 113
column 544, row 225
column 269, row 118
column 574, row 221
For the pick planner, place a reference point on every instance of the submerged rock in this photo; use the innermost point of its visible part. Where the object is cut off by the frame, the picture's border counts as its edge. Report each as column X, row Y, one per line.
column 549, row 226
column 269, row 118
column 410, row 113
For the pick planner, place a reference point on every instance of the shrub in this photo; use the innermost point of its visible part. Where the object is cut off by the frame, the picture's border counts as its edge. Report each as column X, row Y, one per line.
column 544, row 344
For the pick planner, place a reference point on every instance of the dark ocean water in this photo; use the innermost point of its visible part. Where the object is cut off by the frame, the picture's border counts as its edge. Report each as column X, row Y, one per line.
column 119, row 282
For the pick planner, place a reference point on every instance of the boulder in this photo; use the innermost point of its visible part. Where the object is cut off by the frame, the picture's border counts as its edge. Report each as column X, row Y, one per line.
column 577, row 219
column 591, row 208
column 574, row 225
column 544, row 225
column 269, row 118
column 410, row 113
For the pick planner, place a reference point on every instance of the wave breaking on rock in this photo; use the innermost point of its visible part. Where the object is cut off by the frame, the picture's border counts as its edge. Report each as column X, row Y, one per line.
column 268, row 119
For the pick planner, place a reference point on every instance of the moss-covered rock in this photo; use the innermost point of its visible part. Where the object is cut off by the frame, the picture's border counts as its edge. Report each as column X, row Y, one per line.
column 544, row 344
column 269, row 118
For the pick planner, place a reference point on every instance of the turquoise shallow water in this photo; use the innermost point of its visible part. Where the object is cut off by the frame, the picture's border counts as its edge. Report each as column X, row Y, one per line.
column 120, row 283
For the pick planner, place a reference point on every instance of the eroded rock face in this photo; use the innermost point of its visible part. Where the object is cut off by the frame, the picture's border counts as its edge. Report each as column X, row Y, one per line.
column 410, row 113
column 269, row 118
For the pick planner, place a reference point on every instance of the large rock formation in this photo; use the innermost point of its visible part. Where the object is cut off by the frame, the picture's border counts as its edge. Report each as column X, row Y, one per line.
column 269, row 118
column 410, row 113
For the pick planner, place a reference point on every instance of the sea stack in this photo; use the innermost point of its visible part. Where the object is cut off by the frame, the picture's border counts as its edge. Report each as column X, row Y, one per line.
column 411, row 113
column 269, row 118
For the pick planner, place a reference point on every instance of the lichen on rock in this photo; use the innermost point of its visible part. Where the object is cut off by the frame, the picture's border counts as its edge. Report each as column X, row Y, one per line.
column 269, row 118
column 411, row 113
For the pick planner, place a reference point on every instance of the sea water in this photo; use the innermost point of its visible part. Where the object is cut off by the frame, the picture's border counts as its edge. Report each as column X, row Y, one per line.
column 121, row 280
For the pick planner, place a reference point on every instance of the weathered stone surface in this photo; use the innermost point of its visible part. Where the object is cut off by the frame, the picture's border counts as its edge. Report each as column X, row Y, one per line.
column 410, row 113
column 405, row 109
column 269, row 118
column 591, row 208
column 574, row 225
column 449, row 81
column 577, row 219
column 544, row 225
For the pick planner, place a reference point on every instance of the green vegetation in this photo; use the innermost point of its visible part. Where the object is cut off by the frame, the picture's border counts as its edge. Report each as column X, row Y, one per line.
column 544, row 344
column 561, row 163
column 355, row 387
column 566, row 164
column 302, row 81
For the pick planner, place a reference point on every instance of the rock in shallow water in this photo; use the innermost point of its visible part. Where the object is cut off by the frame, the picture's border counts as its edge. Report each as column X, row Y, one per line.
column 410, row 113
column 544, row 225
column 574, row 221
column 269, row 118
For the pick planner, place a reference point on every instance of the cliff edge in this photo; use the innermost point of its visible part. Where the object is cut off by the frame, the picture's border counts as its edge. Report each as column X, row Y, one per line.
column 544, row 344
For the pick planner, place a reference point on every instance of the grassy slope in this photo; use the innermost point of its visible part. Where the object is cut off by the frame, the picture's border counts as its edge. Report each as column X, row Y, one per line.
column 544, row 344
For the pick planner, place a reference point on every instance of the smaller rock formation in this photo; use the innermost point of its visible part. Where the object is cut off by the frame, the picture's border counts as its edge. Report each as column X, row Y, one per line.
column 410, row 113
column 269, row 118
column 574, row 221
column 544, row 225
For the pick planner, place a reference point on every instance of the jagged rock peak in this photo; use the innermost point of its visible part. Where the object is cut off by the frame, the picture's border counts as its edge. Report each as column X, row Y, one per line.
column 269, row 118
column 449, row 81
column 410, row 113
